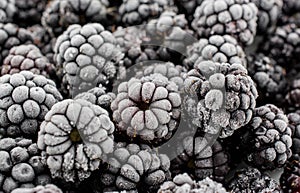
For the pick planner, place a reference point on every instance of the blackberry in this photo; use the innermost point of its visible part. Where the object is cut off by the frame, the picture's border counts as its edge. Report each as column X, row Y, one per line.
column 184, row 183
column 290, row 177
column 49, row 188
column 268, row 76
column 270, row 141
column 75, row 137
column 294, row 124
column 27, row 57
column 89, row 55
column 7, row 11
column 284, row 45
column 59, row 15
column 250, row 180
column 216, row 48
column 11, row 35
column 268, row 14
column 147, row 109
column 237, row 18
column 135, row 168
column 29, row 12
column 223, row 97
column 292, row 97
column 135, row 12
column 25, row 98
column 200, row 159
column 21, row 165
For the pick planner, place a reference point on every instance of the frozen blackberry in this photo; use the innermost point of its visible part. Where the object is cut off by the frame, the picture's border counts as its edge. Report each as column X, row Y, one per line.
column 21, row 165
column 268, row 76
column 25, row 98
column 27, row 57
column 29, row 12
column 133, row 167
column 250, row 180
column 201, row 159
column 59, row 14
column 216, row 48
column 290, row 177
column 11, row 35
column 49, row 188
column 134, row 12
column 89, row 55
column 98, row 96
column 270, row 143
column 294, row 124
column 7, row 10
column 223, row 97
column 268, row 14
column 236, row 17
column 284, row 45
column 184, row 183
column 147, row 109
column 75, row 137
column 293, row 95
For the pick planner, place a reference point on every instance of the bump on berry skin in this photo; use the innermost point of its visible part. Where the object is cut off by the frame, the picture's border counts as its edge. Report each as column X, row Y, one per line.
column 21, row 165
column 223, row 97
column 59, row 15
column 147, row 109
column 250, row 180
column 11, row 35
column 184, row 183
column 49, row 188
column 237, row 18
column 222, row 49
column 24, row 100
column 75, row 136
column 289, row 179
column 88, row 55
column 27, row 57
column 7, row 10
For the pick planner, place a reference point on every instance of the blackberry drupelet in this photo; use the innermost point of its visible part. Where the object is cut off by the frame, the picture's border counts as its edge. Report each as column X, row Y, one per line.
column 88, row 55
column 135, row 168
column 290, row 177
column 251, row 180
column 21, row 165
column 27, row 57
column 222, row 97
column 148, row 109
column 75, row 137
column 184, row 183
column 11, row 35
column 216, row 48
column 59, row 14
column 294, row 124
column 222, row 17
column 49, row 188
column 25, row 98
column 7, row 10
column 270, row 141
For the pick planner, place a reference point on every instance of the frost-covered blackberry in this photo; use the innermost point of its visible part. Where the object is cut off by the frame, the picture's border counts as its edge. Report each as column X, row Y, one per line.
column 289, row 179
column 270, row 141
column 49, row 188
column 216, row 48
column 199, row 158
column 148, row 109
column 59, row 14
column 11, row 35
column 268, row 14
column 134, row 12
column 133, row 167
column 184, row 183
column 27, row 57
column 25, row 98
column 21, row 165
column 269, row 77
column 250, row 180
column 75, row 137
column 293, row 95
column 7, row 10
column 236, row 17
column 88, row 55
column 294, row 124
column 222, row 97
